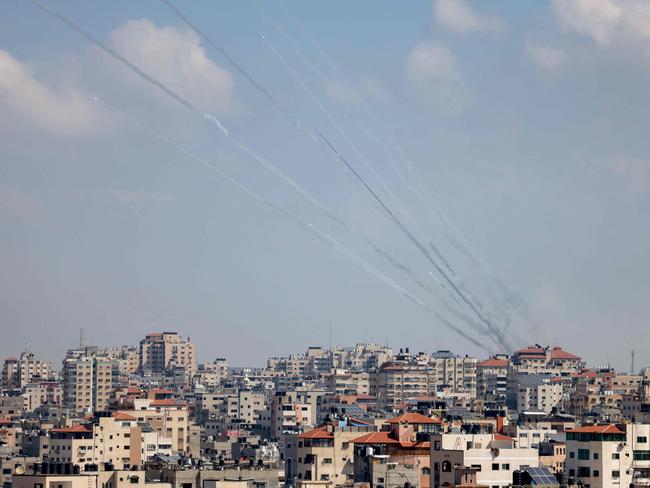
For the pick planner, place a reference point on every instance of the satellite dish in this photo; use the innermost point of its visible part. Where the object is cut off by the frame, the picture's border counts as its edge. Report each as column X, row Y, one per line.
column 20, row 470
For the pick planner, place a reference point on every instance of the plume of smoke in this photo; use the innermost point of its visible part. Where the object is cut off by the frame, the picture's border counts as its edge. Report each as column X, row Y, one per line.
column 256, row 84
column 211, row 118
column 419, row 191
column 311, row 228
column 241, row 70
column 495, row 332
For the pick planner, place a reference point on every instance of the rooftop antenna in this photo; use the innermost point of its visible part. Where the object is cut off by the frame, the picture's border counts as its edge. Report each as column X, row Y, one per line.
column 632, row 362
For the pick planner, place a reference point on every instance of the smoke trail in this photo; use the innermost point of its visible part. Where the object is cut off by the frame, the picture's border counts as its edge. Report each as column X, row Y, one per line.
column 343, row 134
column 397, row 287
column 241, row 70
column 420, row 192
column 209, row 117
column 318, row 103
column 312, row 229
column 494, row 330
column 276, row 104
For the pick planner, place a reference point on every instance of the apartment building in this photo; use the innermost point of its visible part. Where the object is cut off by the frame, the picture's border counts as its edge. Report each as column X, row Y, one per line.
column 492, row 379
column 406, row 377
column 36, row 395
column 397, row 455
column 599, row 456
column 32, row 370
column 87, row 380
column 164, row 351
column 492, row 457
column 10, row 373
column 168, row 417
column 212, row 375
column 538, row 393
column 325, row 455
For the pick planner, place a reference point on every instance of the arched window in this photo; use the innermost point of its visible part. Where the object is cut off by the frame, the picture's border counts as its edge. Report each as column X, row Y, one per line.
column 426, row 471
column 446, row 466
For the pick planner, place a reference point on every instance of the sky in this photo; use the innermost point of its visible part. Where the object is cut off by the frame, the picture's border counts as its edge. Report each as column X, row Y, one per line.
column 497, row 192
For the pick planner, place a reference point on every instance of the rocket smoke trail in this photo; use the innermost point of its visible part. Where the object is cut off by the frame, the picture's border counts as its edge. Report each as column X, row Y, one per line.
column 420, row 192
column 187, row 104
column 257, row 85
column 241, row 70
column 331, row 119
column 494, row 330
column 312, row 229
column 467, row 300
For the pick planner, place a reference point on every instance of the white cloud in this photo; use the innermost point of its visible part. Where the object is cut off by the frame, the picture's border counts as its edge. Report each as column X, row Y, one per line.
column 435, row 74
column 606, row 21
column 26, row 103
column 458, row 17
column 545, row 57
column 176, row 58
column 635, row 173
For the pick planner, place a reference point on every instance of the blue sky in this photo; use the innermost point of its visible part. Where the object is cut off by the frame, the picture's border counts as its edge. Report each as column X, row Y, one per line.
column 525, row 123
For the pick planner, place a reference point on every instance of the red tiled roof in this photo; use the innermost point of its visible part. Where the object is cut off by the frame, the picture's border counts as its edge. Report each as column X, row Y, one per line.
column 71, row 430
column 501, row 437
column 559, row 353
column 413, row 418
column 123, row 416
column 166, row 391
column 317, row 433
column 6, row 422
column 492, row 363
column 375, row 438
column 597, row 429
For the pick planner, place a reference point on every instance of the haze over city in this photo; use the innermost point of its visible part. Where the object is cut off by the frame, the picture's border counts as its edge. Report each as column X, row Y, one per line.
column 508, row 142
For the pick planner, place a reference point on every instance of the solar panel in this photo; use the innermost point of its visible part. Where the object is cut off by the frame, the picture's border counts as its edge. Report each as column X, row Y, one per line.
column 541, row 476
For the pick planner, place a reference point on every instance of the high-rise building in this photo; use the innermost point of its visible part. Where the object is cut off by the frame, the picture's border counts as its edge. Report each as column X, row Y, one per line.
column 10, row 373
column 163, row 351
column 87, row 380
column 32, row 370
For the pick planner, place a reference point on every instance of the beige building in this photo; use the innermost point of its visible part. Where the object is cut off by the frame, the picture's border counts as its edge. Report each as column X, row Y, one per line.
column 212, row 374
column 599, row 456
column 39, row 394
column 87, row 380
column 325, row 456
column 162, row 351
column 493, row 457
column 168, row 417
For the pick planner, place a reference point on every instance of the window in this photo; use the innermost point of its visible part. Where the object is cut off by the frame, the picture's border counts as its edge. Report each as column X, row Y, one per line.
column 495, row 466
column 436, row 445
column 584, row 472
column 583, row 454
column 426, row 471
column 477, row 467
column 572, row 455
column 596, row 473
column 595, row 455
column 446, row 466
column 641, row 455
column 616, row 455
column 616, row 474
column 505, row 466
